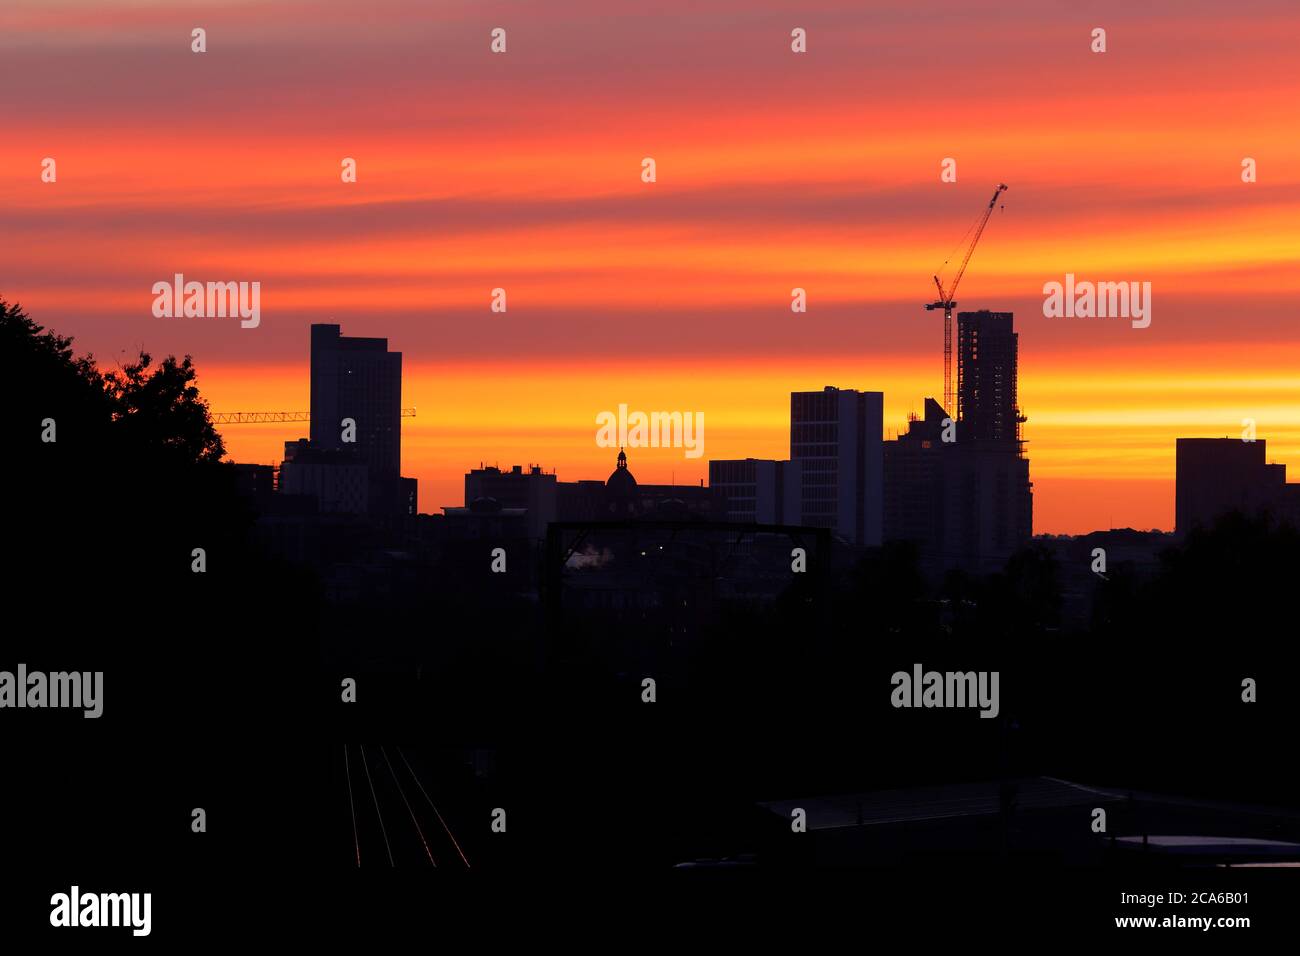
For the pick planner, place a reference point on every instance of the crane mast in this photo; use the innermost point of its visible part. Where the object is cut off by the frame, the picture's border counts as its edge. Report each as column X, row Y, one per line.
column 947, row 303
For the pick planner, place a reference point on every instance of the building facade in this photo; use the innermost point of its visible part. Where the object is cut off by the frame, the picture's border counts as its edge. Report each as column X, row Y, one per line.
column 356, row 419
column 960, row 490
column 987, row 359
column 757, row 490
column 358, row 379
column 836, row 442
column 1215, row 476
column 543, row 499
column 530, row 489
column 913, row 464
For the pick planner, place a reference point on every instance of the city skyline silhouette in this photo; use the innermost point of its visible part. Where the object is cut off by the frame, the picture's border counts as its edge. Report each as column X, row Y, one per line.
column 466, row 451
column 676, row 293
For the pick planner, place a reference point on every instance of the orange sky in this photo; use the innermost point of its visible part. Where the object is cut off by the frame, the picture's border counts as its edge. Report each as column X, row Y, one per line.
column 775, row 170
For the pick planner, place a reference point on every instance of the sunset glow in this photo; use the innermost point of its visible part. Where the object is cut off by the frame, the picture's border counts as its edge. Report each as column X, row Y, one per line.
column 821, row 172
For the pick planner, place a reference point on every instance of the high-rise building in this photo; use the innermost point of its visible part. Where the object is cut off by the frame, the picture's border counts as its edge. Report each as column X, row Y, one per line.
column 356, row 394
column 758, row 491
column 1214, row 476
column 986, row 376
column 963, row 493
column 357, row 378
column 835, row 440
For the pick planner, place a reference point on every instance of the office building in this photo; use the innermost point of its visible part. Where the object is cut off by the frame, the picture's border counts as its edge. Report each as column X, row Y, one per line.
column 356, row 420
column 339, row 480
column 913, row 466
column 756, row 490
column 1215, row 476
column 531, row 489
column 835, row 441
column 357, row 379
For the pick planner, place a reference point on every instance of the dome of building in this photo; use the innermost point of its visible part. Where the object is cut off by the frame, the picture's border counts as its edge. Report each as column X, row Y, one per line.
column 621, row 481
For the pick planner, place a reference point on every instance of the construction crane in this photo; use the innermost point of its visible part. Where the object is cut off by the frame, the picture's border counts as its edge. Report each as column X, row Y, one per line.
column 947, row 303
column 250, row 418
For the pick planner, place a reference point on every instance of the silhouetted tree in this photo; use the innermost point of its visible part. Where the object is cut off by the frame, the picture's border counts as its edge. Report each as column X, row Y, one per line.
column 110, row 481
column 142, row 408
column 161, row 409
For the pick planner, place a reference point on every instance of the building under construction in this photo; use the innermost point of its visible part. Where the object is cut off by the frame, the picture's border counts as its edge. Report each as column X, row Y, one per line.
column 959, row 489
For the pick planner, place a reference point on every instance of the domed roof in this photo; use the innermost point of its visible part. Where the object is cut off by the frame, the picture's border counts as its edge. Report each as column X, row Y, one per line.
column 621, row 481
